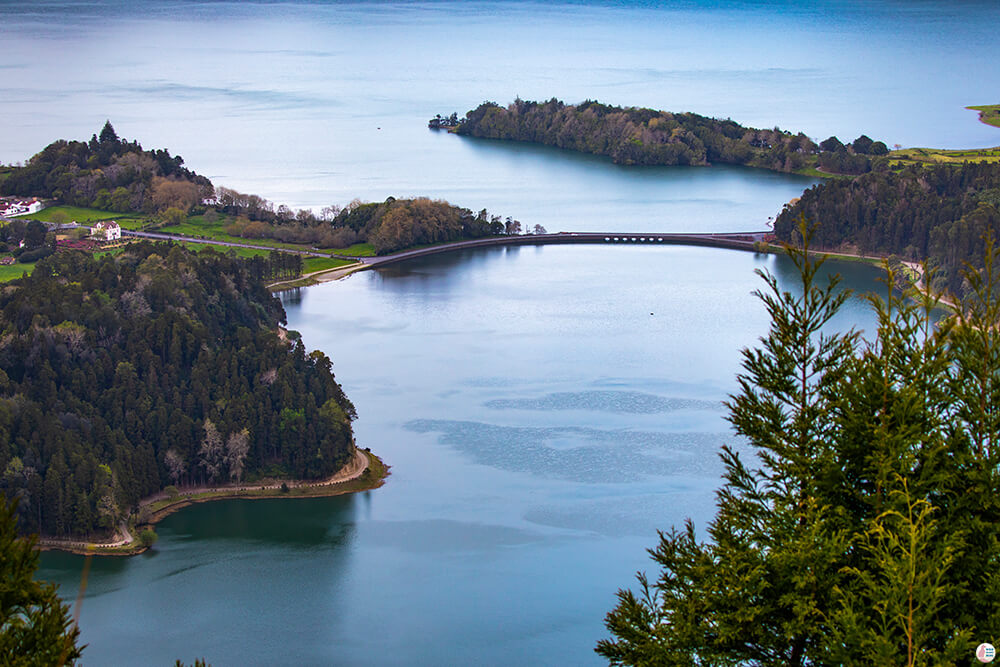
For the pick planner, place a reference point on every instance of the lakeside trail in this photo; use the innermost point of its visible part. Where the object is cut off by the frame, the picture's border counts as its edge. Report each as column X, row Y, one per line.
column 124, row 543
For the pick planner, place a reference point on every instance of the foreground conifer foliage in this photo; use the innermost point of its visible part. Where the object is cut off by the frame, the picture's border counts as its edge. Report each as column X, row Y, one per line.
column 35, row 625
column 157, row 367
column 867, row 528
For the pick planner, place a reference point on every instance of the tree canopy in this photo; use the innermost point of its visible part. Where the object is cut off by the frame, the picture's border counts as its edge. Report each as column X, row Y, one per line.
column 866, row 528
column 108, row 173
column 389, row 226
column 632, row 135
column 940, row 213
column 122, row 375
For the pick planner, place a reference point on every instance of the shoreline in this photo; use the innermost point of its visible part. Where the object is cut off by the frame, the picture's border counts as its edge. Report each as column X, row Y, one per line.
column 317, row 277
column 943, row 300
column 364, row 472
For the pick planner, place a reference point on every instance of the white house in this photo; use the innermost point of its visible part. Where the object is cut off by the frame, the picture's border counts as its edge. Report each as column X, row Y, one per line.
column 16, row 207
column 107, row 230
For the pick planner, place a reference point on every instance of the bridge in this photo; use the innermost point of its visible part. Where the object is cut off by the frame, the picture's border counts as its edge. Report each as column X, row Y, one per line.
column 732, row 240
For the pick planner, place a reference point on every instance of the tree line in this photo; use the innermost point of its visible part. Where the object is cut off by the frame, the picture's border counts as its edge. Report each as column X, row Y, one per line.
column 28, row 240
column 864, row 527
column 110, row 173
column 637, row 136
column 122, row 375
column 939, row 212
column 388, row 226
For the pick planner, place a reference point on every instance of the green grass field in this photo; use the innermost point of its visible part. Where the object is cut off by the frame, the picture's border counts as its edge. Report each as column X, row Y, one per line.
column 216, row 231
column 87, row 216
column 14, row 271
column 311, row 264
column 112, row 252
column 225, row 250
column 356, row 250
column 941, row 156
column 988, row 113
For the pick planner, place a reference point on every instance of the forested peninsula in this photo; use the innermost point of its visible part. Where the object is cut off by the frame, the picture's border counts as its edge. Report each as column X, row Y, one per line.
column 116, row 175
column 108, row 173
column 638, row 136
column 122, row 375
column 941, row 213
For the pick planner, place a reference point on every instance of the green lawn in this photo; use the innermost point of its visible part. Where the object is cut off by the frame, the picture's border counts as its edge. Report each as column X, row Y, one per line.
column 988, row 113
column 88, row 215
column 356, row 250
column 216, row 231
column 112, row 252
column 14, row 271
column 311, row 264
column 941, row 156
column 225, row 250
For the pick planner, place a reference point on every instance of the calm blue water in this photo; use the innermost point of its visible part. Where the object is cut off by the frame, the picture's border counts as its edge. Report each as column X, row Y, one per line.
column 544, row 410
column 316, row 103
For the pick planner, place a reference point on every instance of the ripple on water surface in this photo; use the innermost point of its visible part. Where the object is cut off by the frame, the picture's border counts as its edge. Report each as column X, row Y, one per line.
column 580, row 454
column 624, row 402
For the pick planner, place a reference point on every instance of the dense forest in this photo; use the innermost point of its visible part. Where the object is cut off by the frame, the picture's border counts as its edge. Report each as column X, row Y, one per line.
column 123, row 375
column 389, row 226
column 108, row 173
column 936, row 212
column 648, row 137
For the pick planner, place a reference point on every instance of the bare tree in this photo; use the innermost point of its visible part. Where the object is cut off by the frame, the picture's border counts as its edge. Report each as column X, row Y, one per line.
column 212, row 452
column 329, row 213
column 237, row 447
column 540, row 230
column 175, row 465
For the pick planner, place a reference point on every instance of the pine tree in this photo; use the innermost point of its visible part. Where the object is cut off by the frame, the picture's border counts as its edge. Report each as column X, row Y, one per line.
column 35, row 626
column 869, row 531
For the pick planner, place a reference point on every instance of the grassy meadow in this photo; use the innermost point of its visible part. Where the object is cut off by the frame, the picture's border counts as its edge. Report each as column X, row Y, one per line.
column 988, row 113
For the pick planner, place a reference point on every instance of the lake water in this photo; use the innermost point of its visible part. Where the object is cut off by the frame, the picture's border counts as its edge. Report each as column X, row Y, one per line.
column 544, row 410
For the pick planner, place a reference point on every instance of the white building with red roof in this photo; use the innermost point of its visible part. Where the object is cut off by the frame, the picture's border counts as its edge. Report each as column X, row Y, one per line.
column 108, row 230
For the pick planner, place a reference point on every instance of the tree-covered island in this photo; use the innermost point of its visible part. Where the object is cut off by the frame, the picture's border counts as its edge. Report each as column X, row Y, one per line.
column 914, row 204
column 638, row 136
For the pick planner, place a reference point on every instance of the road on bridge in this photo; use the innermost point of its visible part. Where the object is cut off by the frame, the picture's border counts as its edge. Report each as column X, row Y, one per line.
column 732, row 240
